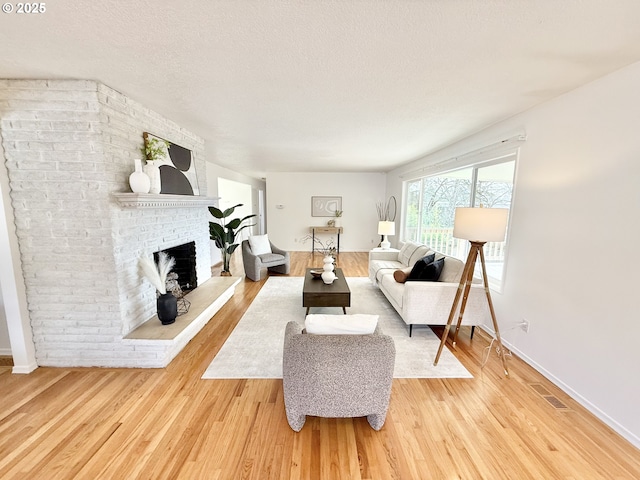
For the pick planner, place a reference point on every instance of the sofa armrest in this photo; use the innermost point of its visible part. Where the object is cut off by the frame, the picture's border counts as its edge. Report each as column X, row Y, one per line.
column 431, row 302
column 279, row 251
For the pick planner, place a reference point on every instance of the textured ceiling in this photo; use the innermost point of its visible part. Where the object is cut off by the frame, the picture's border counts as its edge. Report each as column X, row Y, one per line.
column 349, row 85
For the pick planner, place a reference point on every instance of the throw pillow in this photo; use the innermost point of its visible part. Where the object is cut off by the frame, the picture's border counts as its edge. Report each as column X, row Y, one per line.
column 355, row 324
column 420, row 265
column 402, row 274
column 259, row 244
column 431, row 272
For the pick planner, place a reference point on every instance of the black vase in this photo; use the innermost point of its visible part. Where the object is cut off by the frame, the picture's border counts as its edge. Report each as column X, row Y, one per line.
column 167, row 305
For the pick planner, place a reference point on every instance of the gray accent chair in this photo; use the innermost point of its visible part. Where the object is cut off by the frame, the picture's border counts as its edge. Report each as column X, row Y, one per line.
column 336, row 376
column 277, row 261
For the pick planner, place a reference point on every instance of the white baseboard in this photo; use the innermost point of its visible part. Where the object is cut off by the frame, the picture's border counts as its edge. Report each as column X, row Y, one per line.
column 620, row 429
column 5, row 352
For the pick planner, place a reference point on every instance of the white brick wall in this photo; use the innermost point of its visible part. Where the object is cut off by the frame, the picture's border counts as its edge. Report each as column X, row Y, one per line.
column 68, row 146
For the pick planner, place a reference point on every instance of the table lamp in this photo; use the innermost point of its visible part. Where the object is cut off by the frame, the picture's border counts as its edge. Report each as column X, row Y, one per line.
column 386, row 228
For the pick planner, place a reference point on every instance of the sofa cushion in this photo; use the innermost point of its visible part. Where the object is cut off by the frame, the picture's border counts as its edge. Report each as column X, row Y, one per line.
column 380, row 267
column 420, row 265
column 452, row 270
column 271, row 257
column 402, row 274
column 393, row 290
column 404, row 256
column 429, row 273
column 354, row 324
column 420, row 252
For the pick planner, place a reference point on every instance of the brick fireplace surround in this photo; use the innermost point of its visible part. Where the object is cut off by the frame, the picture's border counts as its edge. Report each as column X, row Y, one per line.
column 69, row 148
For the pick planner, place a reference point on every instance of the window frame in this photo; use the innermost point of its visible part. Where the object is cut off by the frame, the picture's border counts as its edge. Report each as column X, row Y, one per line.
column 486, row 158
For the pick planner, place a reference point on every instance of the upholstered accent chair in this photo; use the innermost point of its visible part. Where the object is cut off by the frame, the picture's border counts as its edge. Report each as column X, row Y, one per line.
column 336, row 375
column 275, row 260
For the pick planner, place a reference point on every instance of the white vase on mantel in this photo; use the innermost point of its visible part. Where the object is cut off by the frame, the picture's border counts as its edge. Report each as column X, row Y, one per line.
column 138, row 180
column 153, row 171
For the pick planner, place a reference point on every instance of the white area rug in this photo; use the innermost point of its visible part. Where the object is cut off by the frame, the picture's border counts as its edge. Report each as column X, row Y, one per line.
column 254, row 348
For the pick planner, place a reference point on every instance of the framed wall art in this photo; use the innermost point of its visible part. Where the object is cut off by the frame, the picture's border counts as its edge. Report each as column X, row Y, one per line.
column 325, row 206
column 177, row 169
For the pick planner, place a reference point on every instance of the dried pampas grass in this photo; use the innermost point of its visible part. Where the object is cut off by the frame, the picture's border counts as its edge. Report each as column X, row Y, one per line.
column 157, row 275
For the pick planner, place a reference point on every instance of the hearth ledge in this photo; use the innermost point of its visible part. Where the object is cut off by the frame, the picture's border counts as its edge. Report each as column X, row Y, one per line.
column 168, row 340
column 149, row 200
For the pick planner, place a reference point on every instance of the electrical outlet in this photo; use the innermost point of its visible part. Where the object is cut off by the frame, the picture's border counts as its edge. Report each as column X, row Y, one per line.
column 524, row 325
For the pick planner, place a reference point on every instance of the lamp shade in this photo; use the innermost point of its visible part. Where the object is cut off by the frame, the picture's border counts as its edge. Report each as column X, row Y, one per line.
column 386, row 228
column 481, row 224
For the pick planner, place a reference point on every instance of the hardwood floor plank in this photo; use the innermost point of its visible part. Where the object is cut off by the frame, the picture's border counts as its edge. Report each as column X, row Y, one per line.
column 168, row 423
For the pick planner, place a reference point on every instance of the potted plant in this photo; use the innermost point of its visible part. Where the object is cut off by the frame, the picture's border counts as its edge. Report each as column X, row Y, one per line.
column 224, row 233
column 338, row 220
column 154, row 148
column 166, row 302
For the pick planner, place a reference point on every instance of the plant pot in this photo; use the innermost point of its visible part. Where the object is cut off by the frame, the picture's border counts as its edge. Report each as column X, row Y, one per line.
column 167, row 306
column 153, row 171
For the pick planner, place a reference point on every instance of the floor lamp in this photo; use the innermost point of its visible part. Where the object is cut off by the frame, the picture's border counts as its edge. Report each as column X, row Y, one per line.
column 479, row 226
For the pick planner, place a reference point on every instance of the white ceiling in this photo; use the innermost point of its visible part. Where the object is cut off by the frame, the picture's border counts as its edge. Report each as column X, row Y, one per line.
column 342, row 85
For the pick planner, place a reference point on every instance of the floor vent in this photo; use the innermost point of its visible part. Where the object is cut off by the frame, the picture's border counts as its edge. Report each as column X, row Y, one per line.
column 555, row 402
column 548, row 396
column 540, row 389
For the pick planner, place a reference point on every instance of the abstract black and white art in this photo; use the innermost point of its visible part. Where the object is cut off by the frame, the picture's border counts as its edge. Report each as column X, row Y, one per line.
column 177, row 169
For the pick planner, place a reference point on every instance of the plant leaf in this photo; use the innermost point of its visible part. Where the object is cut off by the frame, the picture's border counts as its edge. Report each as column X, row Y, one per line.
column 216, row 212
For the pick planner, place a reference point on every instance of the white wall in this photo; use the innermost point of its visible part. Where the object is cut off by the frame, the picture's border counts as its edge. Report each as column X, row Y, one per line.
column 5, row 345
column 572, row 257
column 216, row 172
column 359, row 191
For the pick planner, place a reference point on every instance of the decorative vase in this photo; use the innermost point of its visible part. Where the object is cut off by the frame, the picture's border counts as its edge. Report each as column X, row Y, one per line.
column 328, row 263
column 337, row 222
column 153, row 171
column 167, row 305
column 138, row 180
column 328, row 276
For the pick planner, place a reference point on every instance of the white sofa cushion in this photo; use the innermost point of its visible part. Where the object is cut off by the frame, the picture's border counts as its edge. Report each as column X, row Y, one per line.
column 355, row 324
column 407, row 250
column 452, row 270
column 420, row 252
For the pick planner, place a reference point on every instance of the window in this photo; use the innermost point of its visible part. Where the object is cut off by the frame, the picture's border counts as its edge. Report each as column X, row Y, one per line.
column 431, row 202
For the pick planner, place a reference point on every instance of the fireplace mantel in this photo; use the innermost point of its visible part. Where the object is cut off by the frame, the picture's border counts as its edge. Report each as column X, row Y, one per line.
column 149, row 200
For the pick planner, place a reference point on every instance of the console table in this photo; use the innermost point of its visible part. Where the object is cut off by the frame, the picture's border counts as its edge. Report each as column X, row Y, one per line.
column 324, row 229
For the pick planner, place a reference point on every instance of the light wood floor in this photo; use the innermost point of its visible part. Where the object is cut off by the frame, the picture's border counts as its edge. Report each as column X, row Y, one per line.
column 167, row 423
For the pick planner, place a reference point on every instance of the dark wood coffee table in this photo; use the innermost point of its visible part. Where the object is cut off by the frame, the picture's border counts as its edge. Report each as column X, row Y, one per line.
column 316, row 293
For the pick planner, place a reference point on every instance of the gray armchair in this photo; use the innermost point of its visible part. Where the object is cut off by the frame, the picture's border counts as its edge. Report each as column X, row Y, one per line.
column 336, row 375
column 277, row 261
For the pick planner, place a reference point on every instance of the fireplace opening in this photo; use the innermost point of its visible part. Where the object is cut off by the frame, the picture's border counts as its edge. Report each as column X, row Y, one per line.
column 185, row 267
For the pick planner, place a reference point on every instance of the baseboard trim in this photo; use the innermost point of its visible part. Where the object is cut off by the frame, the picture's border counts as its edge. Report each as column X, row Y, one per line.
column 617, row 427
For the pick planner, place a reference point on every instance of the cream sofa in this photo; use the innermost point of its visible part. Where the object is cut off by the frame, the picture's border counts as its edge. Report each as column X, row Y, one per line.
column 425, row 303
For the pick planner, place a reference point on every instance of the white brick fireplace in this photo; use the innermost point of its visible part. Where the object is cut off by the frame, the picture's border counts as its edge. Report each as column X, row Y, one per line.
column 69, row 148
